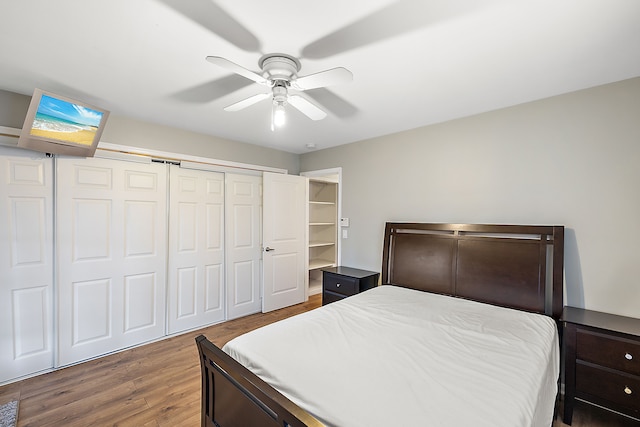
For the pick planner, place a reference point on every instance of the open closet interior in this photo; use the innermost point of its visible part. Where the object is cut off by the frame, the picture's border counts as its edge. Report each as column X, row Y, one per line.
column 323, row 225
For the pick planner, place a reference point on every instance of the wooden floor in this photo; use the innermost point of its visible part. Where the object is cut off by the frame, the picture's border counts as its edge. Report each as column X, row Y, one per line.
column 153, row 385
column 159, row 384
column 588, row 415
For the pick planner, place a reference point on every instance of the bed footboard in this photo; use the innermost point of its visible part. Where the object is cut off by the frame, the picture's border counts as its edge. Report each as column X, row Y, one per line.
column 234, row 396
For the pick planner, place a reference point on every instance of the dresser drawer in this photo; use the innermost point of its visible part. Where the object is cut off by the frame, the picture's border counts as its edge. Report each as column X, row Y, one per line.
column 618, row 388
column 340, row 284
column 609, row 351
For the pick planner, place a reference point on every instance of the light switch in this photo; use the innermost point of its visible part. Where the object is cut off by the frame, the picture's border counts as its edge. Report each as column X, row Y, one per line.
column 345, row 233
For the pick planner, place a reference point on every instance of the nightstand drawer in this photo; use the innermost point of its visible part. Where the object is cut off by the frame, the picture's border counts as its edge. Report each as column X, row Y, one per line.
column 614, row 387
column 609, row 351
column 601, row 353
column 329, row 297
column 340, row 284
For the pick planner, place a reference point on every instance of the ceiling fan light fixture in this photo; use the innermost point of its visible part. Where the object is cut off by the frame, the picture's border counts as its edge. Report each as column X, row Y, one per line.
column 279, row 116
column 279, row 101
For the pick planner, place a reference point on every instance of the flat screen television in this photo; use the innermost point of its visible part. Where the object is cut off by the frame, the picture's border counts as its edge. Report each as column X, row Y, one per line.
column 59, row 125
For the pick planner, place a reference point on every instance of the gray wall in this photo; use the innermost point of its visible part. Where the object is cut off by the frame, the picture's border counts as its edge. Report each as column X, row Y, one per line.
column 572, row 160
column 125, row 131
column 135, row 133
column 13, row 109
column 485, row 168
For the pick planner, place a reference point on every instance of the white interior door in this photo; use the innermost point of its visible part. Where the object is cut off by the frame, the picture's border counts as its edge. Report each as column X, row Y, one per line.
column 243, row 206
column 196, row 248
column 285, row 257
column 111, row 237
column 26, row 263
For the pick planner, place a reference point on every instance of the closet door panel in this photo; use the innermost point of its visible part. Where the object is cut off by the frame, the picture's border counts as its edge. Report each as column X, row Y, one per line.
column 215, row 231
column 244, row 244
column 92, row 301
column 196, row 249
column 26, row 263
column 139, row 296
column 214, row 288
column 111, row 219
column 185, row 294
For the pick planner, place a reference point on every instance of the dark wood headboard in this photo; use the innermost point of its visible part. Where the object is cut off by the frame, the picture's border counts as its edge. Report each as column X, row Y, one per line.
column 516, row 266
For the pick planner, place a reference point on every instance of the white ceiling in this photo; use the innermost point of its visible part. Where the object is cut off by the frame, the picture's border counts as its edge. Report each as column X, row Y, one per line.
column 414, row 62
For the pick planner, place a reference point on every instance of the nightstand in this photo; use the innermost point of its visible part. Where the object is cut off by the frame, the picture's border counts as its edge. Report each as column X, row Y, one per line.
column 602, row 361
column 341, row 282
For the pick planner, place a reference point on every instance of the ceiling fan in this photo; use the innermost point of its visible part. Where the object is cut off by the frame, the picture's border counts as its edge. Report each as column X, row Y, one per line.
column 279, row 72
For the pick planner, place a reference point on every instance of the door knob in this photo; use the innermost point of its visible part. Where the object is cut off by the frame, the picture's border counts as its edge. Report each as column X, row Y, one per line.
column 268, row 249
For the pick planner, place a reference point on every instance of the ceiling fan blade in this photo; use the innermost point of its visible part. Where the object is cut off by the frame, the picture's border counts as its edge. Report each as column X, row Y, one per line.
column 331, row 102
column 400, row 17
column 232, row 66
column 212, row 90
column 323, row 78
column 213, row 18
column 247, row 102
column 306, row 107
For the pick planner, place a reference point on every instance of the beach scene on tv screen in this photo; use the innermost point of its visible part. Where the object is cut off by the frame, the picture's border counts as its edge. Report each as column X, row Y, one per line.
column 65, row 121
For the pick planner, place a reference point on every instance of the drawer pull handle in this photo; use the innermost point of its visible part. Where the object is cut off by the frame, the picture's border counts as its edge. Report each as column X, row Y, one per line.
column 628, row 390
column 628, row 356
column 337, row 285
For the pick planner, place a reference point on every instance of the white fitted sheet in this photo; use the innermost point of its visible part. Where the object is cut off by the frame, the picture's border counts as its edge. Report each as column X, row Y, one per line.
column 392, row 356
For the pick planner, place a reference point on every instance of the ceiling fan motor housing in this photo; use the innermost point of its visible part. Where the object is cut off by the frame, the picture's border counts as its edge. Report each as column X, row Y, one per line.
column 279, row 66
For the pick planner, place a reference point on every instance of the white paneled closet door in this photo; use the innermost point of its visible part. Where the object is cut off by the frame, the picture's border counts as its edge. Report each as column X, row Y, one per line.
column 26, row 263
column 285, row 239
column 243, row 205
column 196, row 249
column 111, row 237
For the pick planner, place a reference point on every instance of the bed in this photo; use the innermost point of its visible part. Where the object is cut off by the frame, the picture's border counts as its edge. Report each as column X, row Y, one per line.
column 462, row 331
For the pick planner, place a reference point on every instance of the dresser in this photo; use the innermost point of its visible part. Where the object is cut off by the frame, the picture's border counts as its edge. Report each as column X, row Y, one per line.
column 341, row 282
column 602, row 361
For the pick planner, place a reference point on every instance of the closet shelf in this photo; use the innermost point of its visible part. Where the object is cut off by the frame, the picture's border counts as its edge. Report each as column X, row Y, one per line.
column 317, row 244
column 315, row 202
column 320, row 263
column 323, row 228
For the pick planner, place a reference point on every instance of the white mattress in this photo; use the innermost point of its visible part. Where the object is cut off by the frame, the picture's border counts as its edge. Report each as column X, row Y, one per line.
column 396, row 357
